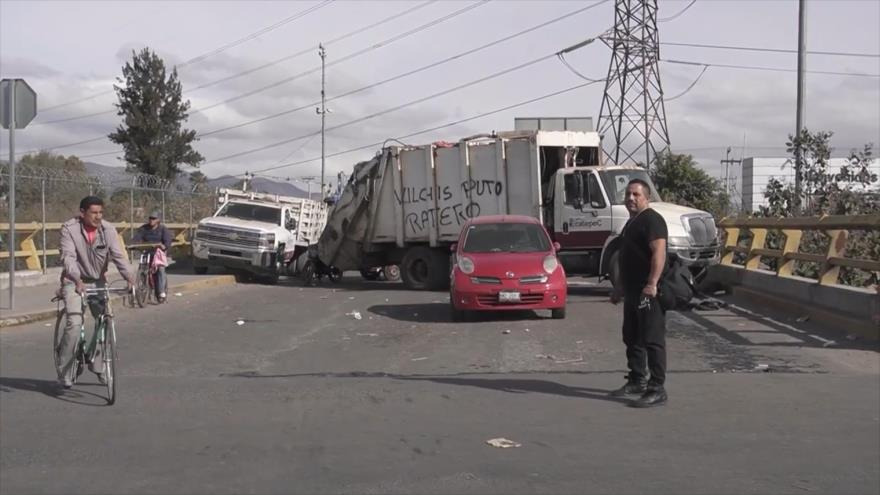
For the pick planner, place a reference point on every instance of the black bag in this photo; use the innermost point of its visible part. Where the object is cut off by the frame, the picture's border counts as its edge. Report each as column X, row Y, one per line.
column 676, row 287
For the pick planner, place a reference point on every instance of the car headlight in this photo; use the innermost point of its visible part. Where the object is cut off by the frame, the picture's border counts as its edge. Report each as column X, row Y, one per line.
column 466, row 265
column 268, row 240
column 550, row 263
column 674, row 241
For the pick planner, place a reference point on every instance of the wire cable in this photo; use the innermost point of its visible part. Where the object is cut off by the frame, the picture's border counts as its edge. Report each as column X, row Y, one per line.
column 391, row 109
column 772, row 69
column 436, row 128
column 770, row 50
column 676, row 16
column 667, row 100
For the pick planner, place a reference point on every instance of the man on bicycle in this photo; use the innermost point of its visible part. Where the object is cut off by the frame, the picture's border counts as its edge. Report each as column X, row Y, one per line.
column 88, row 244
column 157, row 234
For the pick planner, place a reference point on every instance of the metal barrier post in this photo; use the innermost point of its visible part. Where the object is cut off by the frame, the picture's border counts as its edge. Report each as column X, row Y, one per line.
column 43, row 226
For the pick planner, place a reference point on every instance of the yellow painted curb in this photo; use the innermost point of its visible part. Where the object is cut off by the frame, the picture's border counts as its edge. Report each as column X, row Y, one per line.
column 43, row 314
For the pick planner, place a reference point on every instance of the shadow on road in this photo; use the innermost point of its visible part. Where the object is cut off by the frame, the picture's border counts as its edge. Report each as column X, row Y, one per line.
column 507, row 384
column 439, row 313
column 52, row 389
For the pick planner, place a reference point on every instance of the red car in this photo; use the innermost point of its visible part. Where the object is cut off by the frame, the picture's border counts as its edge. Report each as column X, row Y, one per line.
column 505, row 262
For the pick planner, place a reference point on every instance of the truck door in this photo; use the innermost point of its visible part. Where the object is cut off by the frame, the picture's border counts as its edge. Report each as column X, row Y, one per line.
column 583, row 211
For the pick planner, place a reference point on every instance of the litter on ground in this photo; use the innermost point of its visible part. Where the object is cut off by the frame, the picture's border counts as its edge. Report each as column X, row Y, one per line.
column 503, row 443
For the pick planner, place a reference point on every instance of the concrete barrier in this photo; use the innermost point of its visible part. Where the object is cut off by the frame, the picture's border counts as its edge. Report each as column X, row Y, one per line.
column 848, row 309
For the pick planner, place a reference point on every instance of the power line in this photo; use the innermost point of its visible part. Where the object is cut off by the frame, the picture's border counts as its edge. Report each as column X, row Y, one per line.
column 313, row 47
column 350, row 56
column 770, row 50
column 392, row 109
column 676, row 16
column 256, row 34
column 435, row 128
column 411, row 72
column 705, row 68
column 772, row 69
column 204, row 56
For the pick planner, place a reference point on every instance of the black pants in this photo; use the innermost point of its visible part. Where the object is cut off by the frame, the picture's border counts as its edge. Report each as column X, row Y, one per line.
column 644, row 333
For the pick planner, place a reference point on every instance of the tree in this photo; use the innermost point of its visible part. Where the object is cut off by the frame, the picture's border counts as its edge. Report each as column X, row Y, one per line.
column 679, row 180
column 153, row 112
column 854, row 190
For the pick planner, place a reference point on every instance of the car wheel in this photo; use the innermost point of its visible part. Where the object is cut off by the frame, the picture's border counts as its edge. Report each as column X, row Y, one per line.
column 458, row 315
column 558, row 313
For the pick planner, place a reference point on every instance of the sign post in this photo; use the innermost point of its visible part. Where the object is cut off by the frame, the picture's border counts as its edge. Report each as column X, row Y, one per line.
column 18, row 106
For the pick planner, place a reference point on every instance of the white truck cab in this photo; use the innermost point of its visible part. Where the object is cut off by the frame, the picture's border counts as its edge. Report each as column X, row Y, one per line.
column 258, row 233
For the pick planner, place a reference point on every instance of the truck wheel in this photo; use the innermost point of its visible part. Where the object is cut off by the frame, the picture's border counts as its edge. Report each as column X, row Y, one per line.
column 392, row 273
column 424, row 268
column 200, row 270
column 614, row 270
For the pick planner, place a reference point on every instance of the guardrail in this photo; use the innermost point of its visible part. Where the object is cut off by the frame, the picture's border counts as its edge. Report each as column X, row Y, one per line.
column 837, row 228
column 36, row 258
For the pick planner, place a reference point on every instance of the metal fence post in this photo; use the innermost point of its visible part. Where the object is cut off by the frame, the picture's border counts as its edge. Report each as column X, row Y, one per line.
column 163, row 206
column 131, row 212
column 43, row 207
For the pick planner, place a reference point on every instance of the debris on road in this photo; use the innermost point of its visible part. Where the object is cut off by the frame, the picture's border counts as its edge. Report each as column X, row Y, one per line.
column 505, row 332
column 178, row 294
column 503, row 443
column 830, row 343
column 239, row 322
column 367, row 334
column 418, row 359
column 351, row 298
column 852, row 337
column 355, row 314
column 762, row 367
column 803, row 319
column 545, row 356
column 527, row 330
column 568, row 361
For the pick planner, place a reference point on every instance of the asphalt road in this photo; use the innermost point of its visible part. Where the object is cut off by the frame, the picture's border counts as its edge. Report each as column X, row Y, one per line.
column 305, row 398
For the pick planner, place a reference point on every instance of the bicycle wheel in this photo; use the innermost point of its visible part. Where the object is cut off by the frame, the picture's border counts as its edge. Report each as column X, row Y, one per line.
column 59, row 330
column 108, row 351
column 142, row 287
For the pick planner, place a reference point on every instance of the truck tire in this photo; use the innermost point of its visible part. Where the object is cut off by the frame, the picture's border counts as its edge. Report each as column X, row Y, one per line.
column 424, row 268
column 614, row 270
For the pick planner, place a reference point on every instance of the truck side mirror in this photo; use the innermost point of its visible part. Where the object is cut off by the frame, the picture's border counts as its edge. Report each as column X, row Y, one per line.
column 290, row 224
column 579, row 187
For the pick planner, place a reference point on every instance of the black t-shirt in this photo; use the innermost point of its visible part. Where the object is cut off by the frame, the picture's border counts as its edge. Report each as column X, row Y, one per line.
column 635, row 250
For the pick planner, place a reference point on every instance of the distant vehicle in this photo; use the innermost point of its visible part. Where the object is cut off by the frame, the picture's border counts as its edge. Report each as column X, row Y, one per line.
column 408, row 204
column 258, row 233
column 505, row 262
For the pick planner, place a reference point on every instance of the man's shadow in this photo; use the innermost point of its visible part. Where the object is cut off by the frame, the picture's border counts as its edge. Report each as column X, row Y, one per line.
column 52, row 388
column 522, row 386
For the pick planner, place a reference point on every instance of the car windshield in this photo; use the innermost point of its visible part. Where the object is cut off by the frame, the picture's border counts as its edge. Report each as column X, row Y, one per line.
column 616, row 181
column 247, row 211
column 506, row 237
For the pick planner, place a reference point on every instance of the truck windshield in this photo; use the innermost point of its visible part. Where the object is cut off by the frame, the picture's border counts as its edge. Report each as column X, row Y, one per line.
column 247, row 211
column 506, row 237
column 616, row 181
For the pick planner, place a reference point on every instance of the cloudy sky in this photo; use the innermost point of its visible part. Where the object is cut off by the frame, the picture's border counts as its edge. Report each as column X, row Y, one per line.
column 245, row 65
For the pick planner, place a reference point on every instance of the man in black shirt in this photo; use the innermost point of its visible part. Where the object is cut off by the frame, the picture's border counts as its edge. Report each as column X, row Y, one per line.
column 642, row 259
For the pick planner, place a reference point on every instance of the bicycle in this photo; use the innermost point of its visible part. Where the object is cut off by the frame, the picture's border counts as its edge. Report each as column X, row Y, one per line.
column 103, row 338
column 145, row 280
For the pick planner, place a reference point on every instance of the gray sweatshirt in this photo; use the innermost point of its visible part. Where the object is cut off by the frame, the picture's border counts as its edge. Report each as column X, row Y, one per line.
column 86, row 262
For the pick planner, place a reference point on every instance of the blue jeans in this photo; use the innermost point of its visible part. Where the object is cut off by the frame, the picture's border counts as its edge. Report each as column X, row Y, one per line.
column 161, row 281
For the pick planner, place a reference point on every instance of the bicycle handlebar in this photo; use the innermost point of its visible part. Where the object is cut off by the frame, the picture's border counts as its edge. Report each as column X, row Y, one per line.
column 107, row 290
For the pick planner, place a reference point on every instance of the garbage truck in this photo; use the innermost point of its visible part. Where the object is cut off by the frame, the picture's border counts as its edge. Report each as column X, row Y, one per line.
column 406, row 205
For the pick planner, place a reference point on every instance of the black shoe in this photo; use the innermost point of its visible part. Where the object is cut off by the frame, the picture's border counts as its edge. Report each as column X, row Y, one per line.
column 651, row 398
column 631, row 388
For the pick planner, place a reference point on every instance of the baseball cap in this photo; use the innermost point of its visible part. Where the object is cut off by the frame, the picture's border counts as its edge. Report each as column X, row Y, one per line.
column 156, row 214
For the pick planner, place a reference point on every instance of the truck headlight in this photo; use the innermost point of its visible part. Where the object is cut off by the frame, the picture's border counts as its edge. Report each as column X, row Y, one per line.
column 267, row 240
column 674, row 241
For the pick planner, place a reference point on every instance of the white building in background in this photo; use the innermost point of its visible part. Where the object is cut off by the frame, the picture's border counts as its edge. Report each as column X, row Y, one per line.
column 757, row 172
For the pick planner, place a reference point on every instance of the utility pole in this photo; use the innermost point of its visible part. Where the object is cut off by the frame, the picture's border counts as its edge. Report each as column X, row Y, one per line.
column 727, row 162
column 799, row 120
column 322, row 112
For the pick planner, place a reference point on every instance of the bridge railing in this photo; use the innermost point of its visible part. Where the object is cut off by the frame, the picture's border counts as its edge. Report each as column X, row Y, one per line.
column 836, row 228
column 37, row 258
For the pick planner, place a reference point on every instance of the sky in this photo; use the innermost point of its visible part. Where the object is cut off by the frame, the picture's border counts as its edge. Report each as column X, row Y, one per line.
column 71, row 52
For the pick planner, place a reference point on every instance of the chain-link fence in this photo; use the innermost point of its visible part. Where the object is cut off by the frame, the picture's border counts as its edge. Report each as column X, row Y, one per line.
column 47, row 196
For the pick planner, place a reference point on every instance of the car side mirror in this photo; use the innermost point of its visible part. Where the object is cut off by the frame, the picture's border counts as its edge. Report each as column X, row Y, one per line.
column 557, row 246
column 453, row 247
